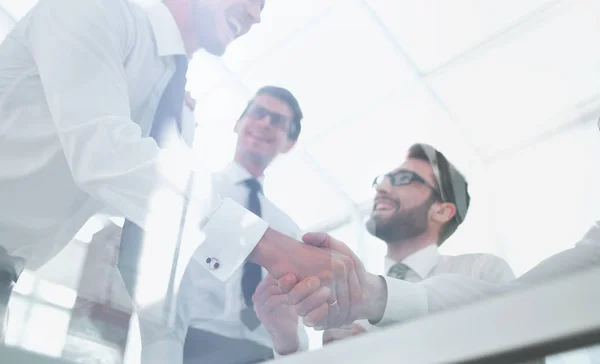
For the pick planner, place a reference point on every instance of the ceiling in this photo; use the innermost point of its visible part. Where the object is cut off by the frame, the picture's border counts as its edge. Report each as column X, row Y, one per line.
column 479, row 79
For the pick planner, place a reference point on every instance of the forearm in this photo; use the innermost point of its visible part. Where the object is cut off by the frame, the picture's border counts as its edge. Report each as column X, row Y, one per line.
column 406, row 301
column 266, row 250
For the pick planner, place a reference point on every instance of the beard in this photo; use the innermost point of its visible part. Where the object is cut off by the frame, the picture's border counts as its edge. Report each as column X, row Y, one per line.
column 401, row 225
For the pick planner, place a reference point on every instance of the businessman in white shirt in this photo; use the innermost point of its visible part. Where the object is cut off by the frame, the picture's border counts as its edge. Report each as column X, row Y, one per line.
column 223, row 326
column 82, row 86
column 215, row 312
column 404, row 217
column 388, row 300
column 417, row 207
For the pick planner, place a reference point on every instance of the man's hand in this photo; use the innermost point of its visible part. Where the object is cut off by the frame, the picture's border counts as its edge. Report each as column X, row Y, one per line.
column 369, row 303
column 281, row 255
column 331, row 335
column 276, row 313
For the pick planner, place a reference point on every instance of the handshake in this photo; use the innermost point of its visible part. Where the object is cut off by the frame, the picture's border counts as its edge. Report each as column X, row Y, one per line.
column 321, row 281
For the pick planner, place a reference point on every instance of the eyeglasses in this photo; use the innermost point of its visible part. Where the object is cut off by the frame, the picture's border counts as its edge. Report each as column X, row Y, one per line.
column 277, row 120
column 404, row 178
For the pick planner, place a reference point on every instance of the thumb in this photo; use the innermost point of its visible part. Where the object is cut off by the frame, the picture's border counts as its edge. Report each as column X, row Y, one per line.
column 324, row 240
column 320, row 240
column 287, row 282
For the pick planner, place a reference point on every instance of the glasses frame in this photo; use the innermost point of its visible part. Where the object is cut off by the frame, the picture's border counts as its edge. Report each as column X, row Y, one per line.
column 413, row 177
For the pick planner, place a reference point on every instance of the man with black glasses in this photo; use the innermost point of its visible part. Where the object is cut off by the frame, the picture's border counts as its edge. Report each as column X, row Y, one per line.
column 417, row 207
column 215, row 320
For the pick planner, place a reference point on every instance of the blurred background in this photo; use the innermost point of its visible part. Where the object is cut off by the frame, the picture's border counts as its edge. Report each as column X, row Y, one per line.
column 508, row 90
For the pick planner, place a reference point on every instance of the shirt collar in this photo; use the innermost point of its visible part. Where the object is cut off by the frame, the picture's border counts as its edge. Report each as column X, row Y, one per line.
column 237, row 174
column 167, row 36
column 420, row 262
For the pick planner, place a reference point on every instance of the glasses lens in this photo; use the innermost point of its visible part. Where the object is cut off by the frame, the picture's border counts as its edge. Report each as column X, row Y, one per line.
column 379, row 179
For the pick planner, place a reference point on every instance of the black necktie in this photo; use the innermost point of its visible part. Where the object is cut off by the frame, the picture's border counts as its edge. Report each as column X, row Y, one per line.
column 168, row 112
column 252, row 272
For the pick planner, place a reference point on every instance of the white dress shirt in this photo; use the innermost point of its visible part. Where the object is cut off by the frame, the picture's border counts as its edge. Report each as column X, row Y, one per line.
column 408, row 300
column 205, row 302
column 428, row 262
column 80, row 82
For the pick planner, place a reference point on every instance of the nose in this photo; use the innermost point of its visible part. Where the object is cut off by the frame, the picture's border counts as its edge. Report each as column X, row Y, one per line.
column 382, row 185
column 253, row 10
column 264, row 122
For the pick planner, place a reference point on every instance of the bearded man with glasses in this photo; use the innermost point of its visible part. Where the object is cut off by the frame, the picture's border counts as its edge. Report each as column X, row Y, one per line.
column 417, row 207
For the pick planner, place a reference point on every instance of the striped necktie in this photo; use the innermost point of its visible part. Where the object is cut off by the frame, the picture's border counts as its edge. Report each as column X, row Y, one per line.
column 398, row 271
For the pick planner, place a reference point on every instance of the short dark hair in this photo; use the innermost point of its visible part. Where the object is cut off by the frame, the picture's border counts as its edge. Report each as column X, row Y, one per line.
column 286, row 96
column 452, row 184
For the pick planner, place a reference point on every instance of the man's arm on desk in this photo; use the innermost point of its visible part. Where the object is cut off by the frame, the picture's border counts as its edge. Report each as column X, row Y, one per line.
column 387, row 300
column 407, row 300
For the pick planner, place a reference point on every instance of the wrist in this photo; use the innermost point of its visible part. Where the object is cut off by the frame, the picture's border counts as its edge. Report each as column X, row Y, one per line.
column 285, row 346
column 376, row 298
column 265, row 252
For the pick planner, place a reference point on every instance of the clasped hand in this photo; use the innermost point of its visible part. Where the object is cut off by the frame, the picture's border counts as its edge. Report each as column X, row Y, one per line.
column 324, row 295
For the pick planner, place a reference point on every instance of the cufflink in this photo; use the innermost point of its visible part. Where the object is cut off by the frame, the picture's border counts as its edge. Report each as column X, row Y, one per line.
column 213, row 263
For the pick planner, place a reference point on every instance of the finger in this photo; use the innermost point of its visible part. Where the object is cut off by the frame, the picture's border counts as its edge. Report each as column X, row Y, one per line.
column 342, row 308
column 273, row 302
column 355, row 291
column 331, row 335
column 303, row 289
column 315, row 316
column 321, row 240
column 313, row 301
column 267, row 311
column 264, row 284
column 356, row 329
column 333, row 317
column 264, row 295
column 287, row 282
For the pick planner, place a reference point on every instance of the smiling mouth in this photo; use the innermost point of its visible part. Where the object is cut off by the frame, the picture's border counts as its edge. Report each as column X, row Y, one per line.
column 259, row 139
column 385, row 205
column 235, row 26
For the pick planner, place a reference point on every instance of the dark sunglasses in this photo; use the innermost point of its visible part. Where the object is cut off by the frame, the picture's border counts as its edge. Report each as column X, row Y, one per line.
column 404, row 178
column 277, row 120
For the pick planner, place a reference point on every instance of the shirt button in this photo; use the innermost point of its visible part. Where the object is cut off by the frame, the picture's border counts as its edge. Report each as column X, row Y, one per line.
column 212, row 263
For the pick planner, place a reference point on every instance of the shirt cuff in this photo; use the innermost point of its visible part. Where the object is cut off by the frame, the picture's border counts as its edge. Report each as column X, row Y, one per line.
column 405, row 301
column 231, row 233
column 161, row 352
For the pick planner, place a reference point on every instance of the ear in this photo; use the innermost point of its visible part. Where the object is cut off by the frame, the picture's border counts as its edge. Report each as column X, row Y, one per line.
column 443, row 212
column 288, row 146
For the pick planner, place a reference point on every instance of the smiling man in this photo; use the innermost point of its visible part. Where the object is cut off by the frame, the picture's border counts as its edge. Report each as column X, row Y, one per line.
column 102, row 84
column 417, row 207
column 221, row 324
column 212, row 25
